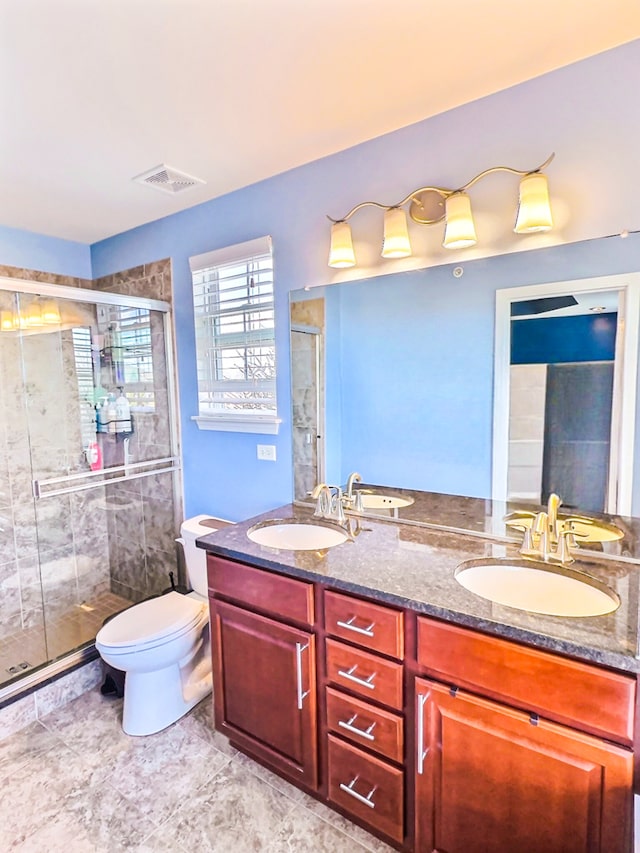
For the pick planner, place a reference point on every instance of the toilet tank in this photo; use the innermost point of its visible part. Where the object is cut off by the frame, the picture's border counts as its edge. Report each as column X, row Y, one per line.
column 196, row 558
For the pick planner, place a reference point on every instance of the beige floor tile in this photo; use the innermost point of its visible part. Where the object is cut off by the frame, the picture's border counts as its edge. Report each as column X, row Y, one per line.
column 234, row 811
column 303, row 832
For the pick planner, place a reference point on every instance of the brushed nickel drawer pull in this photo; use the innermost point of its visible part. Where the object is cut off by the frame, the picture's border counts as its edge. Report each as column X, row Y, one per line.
column 422, row 752
column 350, row 626
column 349, row 726
column 363, row 682
column 301, row 695
column 349, row 789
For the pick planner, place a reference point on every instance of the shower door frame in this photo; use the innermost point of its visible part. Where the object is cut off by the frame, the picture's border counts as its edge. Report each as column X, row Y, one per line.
column 172, row 463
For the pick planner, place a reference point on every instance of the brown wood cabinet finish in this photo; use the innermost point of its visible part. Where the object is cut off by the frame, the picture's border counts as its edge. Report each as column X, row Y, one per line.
column 259, row 589
column 370, row 676
column 372, row 626
column 365, row 725
column 490, row 777
column 265, row 689
column 489, row 780
column 370, row 789
column 588, row 697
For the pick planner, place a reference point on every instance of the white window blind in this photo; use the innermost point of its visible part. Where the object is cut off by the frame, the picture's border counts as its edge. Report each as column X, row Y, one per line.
column 235, row 337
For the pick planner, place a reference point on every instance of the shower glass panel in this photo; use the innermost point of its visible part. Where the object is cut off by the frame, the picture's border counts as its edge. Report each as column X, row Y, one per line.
column 89, row 500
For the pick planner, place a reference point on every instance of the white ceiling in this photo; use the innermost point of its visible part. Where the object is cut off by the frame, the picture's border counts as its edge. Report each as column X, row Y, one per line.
column 95, row 92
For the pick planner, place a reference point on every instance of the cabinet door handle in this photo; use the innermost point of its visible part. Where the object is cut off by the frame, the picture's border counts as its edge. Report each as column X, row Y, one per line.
column 364, row 733
column 363, row 682
column 350, row 626
column 349, row 789
column 301, row 695
column 422, row 752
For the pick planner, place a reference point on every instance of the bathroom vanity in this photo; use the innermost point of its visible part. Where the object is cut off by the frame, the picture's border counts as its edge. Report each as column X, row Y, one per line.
column 438, row 720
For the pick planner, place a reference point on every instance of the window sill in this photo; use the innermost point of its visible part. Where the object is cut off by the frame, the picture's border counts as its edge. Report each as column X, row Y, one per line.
column 261, row 425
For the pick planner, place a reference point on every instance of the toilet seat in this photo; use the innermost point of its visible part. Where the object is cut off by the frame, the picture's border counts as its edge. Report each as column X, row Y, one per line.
column 157, row 619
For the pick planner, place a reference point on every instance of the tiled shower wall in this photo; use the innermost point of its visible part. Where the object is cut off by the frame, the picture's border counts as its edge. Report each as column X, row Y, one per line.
column 142, row 516
column 306, row 389
column 61, row 551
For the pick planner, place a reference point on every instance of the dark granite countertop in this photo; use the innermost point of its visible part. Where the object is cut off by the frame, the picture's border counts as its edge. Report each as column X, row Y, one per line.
column 413, row 566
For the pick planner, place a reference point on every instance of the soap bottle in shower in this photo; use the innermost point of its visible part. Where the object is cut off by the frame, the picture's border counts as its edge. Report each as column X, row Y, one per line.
column 111, row 413
column 123, row 414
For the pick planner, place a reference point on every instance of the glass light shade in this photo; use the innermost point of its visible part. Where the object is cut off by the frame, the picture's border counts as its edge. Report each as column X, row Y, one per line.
column 7, row 323
column 341, row 254
column 396, row 242
column 50, row 313
column 460, row 231
column 534, row 210
column 34, row 316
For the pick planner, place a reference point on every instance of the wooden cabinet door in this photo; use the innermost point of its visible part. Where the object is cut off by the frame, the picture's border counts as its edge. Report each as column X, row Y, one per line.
column 493, row 780
column 265, row 689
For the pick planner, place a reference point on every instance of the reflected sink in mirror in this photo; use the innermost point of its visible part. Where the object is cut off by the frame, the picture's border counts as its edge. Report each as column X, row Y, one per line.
column 290, row 535
column 379, row 500
column 552, row 590
column 586, row 529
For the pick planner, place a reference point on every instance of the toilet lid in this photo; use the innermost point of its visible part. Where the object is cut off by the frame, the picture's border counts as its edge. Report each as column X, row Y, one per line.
column 151, row 620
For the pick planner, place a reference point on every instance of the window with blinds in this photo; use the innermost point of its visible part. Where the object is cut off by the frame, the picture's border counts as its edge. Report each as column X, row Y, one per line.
column 233, row 304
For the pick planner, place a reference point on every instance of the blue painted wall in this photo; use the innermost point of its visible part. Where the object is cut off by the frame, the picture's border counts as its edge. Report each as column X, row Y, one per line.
column 416, row 367
column 597, row 138
column 48, row 254
column 556, row 340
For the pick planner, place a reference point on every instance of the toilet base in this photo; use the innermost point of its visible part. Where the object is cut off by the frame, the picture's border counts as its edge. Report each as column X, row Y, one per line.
column 155, row 700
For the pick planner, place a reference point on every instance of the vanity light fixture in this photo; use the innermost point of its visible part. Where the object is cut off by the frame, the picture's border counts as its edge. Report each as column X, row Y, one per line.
column 36, row 314
column 430, row 205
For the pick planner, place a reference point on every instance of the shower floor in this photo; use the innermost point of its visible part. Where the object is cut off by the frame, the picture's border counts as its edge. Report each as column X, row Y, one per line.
column 27, row 649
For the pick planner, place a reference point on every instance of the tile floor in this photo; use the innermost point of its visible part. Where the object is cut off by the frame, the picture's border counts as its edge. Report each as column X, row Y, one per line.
column 74, row 782
column 35, row 646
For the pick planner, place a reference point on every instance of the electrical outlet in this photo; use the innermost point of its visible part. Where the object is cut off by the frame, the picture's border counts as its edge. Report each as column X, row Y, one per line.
column 267, row 452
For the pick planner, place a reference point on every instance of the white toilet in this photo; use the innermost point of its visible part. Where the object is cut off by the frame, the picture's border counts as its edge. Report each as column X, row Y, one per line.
column 163, row 644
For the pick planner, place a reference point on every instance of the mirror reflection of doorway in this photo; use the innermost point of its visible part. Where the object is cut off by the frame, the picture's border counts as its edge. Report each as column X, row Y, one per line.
column 561, row 398
column 565, row 390
column 306, row 407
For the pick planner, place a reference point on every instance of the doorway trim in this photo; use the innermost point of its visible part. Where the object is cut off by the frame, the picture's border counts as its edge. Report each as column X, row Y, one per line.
column 620, row 492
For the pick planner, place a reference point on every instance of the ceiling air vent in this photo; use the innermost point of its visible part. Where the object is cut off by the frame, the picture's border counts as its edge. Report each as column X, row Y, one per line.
column 168, row 179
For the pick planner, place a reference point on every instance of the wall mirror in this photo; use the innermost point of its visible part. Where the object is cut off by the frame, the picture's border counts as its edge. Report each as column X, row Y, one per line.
column 399, row 374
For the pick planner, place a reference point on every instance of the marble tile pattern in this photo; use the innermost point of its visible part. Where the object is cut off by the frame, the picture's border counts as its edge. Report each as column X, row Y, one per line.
column 75, row 783
column 413, row 566
column 48, row 568
column 31, row 648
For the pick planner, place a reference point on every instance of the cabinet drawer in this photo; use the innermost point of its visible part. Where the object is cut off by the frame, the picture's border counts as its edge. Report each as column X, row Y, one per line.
column 262, row 590
column 367, row 787
column 581, row 695
column 365, row 725
column 368, row 675
column 367, row 624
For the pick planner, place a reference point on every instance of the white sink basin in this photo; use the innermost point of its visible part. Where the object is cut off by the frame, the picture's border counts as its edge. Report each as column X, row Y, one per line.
column 537, row 587
column 292, row 536
column 382, row 501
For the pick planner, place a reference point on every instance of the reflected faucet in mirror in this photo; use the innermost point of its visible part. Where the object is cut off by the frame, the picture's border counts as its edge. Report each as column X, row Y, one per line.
column 329, row 503
column 547, row 539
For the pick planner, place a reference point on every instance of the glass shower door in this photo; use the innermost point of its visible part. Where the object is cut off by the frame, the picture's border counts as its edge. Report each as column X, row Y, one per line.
column 92, row 480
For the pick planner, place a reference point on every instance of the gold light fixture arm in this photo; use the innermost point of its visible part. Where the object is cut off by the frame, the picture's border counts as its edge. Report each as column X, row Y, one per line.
column 430, row 205
column 513, row 171
column 443, row 192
